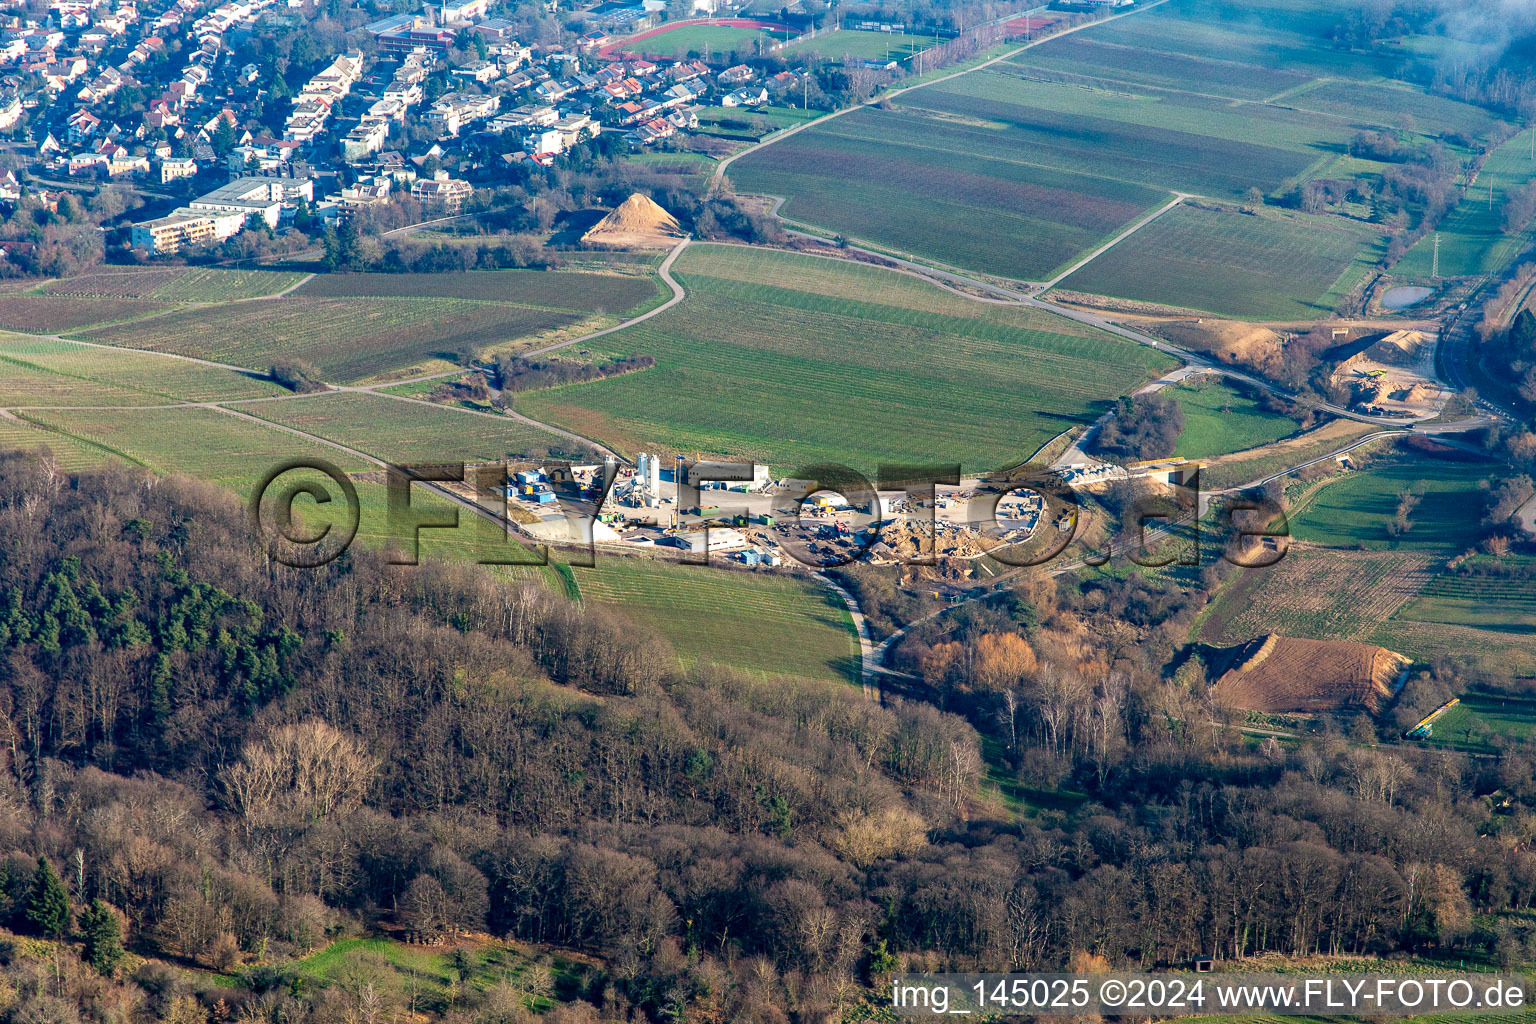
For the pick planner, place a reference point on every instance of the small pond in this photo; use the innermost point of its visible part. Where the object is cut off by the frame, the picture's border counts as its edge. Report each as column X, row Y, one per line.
column 1402, row 298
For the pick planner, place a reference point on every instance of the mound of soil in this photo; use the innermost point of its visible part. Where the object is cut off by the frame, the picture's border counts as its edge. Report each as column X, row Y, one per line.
column 1285, row 674
column 1230, row 341
column 1399, row 349
column 637, row 223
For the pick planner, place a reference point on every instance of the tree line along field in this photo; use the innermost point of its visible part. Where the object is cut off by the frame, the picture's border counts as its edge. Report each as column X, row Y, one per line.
column 403, row 432
column 773, row 624
column 1472, row 236
column 847, row 372
column 45, row 371
column 1265, row 266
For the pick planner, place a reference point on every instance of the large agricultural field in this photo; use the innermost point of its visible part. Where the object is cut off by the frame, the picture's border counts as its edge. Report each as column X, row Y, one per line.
column 44, row 371
column 406, row 432
column 798, row 359
column 1072, row 138
column 775, row 625
column 345, row 339
column 1255, row 267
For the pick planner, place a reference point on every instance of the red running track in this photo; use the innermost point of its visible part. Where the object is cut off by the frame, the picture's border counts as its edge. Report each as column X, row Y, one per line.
column 610, row 51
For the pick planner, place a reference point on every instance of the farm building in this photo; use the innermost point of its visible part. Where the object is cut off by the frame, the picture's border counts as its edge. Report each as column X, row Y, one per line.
column 1285, row 674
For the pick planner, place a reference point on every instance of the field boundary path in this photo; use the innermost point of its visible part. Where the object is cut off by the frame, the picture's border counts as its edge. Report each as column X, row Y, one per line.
column 1178, row 197
column 664, row 271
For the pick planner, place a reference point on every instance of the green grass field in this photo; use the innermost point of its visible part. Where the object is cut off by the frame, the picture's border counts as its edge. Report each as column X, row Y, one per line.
column 408, row 432
column 1482, row 721
column 43, row 371
column 346, row 339
column 1472, row 238
column 795, row 360
column 773, row 624
column 1253, row 267
column 753, row 122
column 715, row 41
column 1357, row 507
column 1219, row 419
column 868, row 45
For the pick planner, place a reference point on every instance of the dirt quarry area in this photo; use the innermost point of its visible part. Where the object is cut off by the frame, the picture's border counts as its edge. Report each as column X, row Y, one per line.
column 1276, row 673
column 1230, row 341
column 637, row 223
column 1395, row 375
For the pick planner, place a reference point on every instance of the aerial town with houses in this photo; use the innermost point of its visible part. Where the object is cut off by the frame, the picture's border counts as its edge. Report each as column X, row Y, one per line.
column 154, row 96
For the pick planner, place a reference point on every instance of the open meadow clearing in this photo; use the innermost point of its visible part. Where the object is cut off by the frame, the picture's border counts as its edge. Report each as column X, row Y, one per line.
column 1472, row 236
column 1219, row 419
column 345, row 339
column 1265, row 267
column 1358, row 507
column 45, row 371
column 792, row 377
column 773, row 624
column 409, row 432
column 553, row 289
column 176, row 284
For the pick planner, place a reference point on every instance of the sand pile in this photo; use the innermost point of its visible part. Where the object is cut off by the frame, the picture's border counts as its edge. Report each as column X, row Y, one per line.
column 1280, row 673
column 638, row 223
column 1230, row 341
column 1397, row 349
